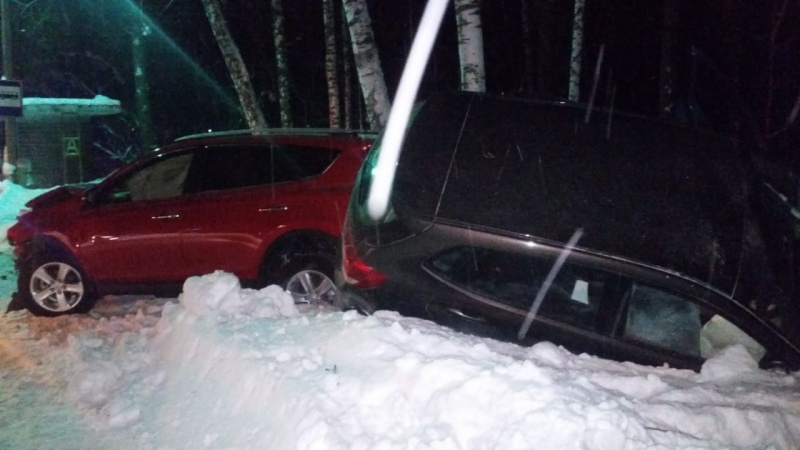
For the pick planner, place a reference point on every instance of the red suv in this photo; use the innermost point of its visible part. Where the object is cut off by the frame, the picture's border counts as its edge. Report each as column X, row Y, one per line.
column 260, row 206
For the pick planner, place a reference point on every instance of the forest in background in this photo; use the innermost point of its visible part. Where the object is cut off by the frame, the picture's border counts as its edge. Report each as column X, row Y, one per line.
column 736, row 65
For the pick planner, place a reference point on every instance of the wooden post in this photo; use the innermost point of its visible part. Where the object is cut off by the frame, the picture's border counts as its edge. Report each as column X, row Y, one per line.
column 10, row 151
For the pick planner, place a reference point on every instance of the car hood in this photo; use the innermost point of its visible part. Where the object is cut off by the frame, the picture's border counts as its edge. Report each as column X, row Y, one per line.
column 59, row 195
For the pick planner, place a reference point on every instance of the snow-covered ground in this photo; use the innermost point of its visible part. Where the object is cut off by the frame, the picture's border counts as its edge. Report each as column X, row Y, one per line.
column 225, row 367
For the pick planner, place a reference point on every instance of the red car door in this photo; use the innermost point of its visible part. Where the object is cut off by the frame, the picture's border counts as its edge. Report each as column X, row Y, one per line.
column 247, row 195
column 132, row 231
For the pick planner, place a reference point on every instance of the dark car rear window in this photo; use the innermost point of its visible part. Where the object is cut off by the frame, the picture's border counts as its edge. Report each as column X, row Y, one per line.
column 238, row 166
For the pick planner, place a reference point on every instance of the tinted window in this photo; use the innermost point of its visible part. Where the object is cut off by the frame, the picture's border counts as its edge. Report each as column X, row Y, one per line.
column 576, row 297
column 296, row 162
column 678, row 324
column 232, row 167
column 163, row 178
column 663, row 319
column 593, row 300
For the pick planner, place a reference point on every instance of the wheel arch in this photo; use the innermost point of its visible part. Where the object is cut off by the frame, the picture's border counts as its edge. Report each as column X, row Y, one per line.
column 315, row 237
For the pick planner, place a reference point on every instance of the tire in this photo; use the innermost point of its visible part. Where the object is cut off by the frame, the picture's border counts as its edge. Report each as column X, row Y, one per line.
column 297, row 253
column 53, row 284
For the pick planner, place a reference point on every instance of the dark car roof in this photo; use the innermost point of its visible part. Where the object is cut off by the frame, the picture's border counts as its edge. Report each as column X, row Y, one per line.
column 285, row 132
column 640, row 189
column 356, row 141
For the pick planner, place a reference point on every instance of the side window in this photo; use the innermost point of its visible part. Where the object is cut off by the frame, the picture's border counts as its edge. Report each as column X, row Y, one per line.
column 232, row 167
column 162, row 179
column 675, row 323
column 663, row 319
column 296, row 162
column 576, row 297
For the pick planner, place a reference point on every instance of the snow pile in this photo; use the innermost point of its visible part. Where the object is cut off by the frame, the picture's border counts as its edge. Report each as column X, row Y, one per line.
column 12, row 200
column 222, row 293
column 226, row 367
column 250, row 372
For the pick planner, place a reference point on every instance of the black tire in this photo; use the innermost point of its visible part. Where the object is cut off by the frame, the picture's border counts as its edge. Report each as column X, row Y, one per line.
column 53, row 284
column 297, row 253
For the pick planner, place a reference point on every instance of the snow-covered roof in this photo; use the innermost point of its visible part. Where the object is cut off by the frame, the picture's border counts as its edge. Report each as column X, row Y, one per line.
column 40, row 108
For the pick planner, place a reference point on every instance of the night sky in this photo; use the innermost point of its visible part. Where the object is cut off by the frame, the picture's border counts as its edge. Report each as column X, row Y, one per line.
column 726, row 54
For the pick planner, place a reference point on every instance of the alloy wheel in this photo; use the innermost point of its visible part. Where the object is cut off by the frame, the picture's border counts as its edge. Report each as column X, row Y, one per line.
column 56, row 286
column 313, row 289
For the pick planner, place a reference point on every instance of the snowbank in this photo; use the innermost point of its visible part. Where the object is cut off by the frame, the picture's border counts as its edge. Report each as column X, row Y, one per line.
column 231, row 367
column 226, row 367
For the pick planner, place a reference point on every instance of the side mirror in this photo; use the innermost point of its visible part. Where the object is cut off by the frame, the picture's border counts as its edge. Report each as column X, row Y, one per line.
column 90, row 198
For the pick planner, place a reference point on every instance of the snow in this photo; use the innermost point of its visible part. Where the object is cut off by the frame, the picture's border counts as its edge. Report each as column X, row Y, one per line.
column 38, row 107
column 226, row 367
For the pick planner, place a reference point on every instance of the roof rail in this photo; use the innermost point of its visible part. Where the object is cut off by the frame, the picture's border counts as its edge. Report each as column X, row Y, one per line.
column 281, row 131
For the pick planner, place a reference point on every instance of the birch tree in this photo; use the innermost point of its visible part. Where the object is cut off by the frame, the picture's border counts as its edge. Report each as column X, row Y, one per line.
column 368, row 63
column 347, row 75
column 282, row 64
column 233, row 59
column 667, row 78
column 143, row 113
column 577, row 50
column 329, row 22
column 470, row 45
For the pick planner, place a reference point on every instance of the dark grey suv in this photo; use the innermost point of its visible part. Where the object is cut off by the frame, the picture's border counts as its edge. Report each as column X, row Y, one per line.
column 610, row 234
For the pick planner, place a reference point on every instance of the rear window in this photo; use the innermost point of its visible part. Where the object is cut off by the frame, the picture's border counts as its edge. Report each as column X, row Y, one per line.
column 240, row 166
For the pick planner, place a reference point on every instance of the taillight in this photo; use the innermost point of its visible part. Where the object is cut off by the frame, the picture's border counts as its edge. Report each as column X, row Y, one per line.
column 356, row 272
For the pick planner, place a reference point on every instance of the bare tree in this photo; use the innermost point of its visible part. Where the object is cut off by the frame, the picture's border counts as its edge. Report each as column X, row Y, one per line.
column 368, row 63
column 143, row 112
column 329, row 21
column 470, row 45
column 577, row 52
column 667, row 77
column 347, row 76
column 282, row 64
column 233, row 59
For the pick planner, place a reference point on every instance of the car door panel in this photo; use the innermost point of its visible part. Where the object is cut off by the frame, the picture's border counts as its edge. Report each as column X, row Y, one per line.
column 129, row 244
column 131, row 232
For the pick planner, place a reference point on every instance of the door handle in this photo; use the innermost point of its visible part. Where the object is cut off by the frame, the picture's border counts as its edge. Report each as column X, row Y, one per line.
column 166, row 217
column 274, row 208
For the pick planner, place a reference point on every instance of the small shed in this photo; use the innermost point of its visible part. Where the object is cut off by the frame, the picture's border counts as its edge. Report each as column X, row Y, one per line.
column 52, row 137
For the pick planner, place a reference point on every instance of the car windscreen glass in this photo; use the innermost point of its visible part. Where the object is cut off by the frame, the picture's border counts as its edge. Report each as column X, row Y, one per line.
column 578, row 296
column 594, row 300
column 670, row 321
column 161, row 178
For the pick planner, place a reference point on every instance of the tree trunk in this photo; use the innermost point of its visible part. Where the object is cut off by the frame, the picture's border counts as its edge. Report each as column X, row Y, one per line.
column 777, row 21
column 329, row 21
column 470, row 45
column 282, row 64
column 143, row 119
column 667, row 78
column 527, row 46
column 347, row 77
column 543, row 13
column 8, row 166
column 732, row 38
column 368, row 63
column 577, row 50
column 233, row 59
